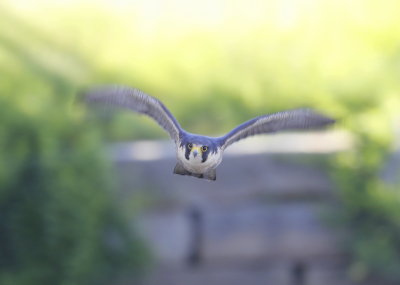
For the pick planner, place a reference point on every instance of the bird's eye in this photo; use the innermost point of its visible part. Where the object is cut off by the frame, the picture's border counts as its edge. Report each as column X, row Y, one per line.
column 190, row 146
column 204, row 148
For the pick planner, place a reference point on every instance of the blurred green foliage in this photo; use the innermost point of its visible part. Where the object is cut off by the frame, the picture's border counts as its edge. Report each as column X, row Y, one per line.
column 58, row 222
column 369, row 210
column 229, row 61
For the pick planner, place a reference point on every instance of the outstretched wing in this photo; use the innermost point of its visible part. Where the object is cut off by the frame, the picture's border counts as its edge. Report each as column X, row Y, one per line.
column 286, row 120
column 137, row 101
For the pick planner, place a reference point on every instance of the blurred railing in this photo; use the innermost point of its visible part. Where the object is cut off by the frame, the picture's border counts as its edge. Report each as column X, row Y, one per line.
column 311, row 142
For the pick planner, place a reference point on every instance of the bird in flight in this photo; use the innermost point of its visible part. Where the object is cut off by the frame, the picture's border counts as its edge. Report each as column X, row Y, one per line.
column 199, row 155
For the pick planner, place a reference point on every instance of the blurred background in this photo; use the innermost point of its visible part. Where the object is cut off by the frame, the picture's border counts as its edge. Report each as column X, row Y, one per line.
column 88, row 197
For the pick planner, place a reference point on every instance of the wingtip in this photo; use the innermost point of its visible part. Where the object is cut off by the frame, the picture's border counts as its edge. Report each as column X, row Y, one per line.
column 326, row 120
column 329, row 120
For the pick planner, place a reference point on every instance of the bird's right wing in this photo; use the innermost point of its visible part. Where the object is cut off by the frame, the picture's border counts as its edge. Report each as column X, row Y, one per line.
column 137, row 101
column 286, row 120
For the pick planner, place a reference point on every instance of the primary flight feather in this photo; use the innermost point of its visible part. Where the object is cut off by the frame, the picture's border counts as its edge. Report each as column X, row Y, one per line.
column 199, row 155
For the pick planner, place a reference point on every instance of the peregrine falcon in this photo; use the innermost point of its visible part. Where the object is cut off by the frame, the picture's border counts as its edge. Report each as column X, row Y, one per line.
column 199, row 155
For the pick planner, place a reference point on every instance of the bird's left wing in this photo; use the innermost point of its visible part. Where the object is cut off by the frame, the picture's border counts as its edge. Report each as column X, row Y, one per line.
column 286, row 120
column 137, row 101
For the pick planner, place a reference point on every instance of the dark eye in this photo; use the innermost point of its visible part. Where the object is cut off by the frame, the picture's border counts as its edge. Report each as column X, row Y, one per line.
column 190, row 146
column 204, row 148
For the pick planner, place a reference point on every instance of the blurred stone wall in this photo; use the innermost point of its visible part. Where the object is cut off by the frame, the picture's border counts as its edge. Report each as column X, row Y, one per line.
column 266, row 220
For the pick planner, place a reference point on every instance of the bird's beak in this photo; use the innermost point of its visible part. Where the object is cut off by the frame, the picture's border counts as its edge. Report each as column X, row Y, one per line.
column 195, row 151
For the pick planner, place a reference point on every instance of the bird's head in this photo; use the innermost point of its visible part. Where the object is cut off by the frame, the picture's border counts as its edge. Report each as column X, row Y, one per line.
column 199, row 147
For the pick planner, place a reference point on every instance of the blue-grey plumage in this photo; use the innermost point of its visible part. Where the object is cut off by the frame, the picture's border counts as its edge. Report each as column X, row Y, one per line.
column 200, row 155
